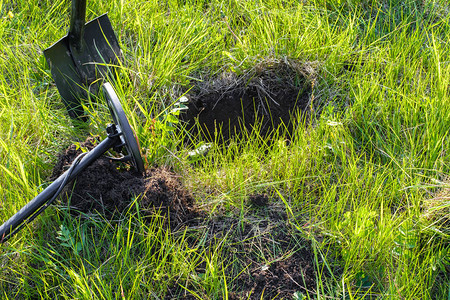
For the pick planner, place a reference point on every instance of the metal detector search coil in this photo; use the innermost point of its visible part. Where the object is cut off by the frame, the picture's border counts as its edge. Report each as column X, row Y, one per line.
column 120, row 135
column 127, row 135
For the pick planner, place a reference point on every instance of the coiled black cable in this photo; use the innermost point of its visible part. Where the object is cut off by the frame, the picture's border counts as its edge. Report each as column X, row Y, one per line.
column 69, row 172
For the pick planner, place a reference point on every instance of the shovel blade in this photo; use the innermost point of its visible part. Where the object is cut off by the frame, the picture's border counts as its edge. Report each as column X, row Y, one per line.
column 77, row 73
column 66, row 77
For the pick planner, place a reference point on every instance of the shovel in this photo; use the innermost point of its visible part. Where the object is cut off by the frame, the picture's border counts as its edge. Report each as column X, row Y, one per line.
column 81, row 58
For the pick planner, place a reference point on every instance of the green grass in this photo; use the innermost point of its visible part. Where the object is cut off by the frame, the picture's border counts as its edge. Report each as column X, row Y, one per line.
column 365, row 181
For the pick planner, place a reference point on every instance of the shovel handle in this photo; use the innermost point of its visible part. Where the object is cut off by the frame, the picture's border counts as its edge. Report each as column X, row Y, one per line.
column 77, row 20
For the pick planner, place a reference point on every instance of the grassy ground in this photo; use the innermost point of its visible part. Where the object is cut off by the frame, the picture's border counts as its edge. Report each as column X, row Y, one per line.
column 364, row 183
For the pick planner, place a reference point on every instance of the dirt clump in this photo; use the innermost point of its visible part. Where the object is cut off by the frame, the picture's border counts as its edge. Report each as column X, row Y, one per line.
column 104, row 187
column 164, row 192
column 258, row 200
column 265, row 257
column 269, row 93
column 281, row 279
column 278, row 262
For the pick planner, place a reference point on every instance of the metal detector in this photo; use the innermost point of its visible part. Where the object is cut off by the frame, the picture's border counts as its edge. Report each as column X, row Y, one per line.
column 120, row 137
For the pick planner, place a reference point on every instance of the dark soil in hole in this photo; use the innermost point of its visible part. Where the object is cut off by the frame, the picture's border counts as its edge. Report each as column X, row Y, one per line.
column 270, row 93
column 104, row 188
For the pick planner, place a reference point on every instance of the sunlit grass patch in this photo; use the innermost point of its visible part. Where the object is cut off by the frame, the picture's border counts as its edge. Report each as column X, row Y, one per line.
column 360, row 183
